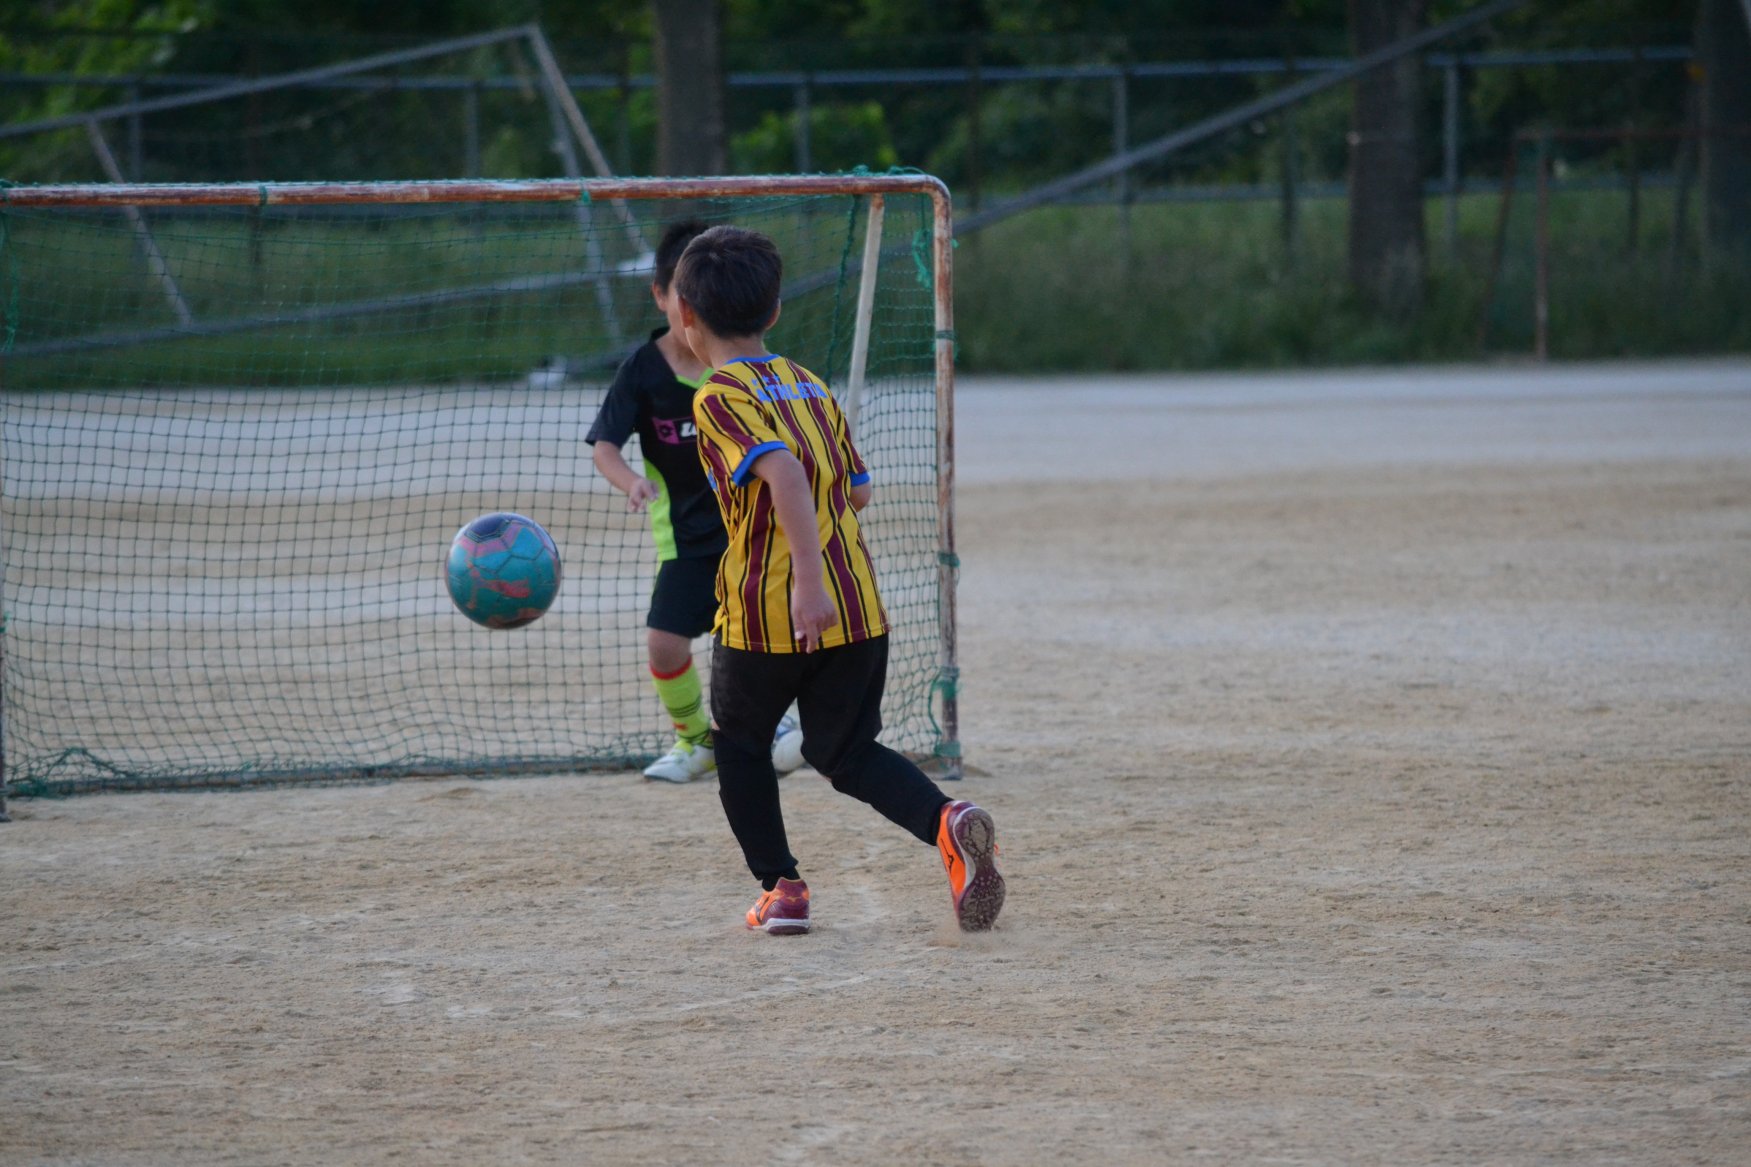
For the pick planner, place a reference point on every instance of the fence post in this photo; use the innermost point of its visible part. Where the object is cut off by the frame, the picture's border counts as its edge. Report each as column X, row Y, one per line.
column 1689, row 149
column 623, row 114
column 1291, row 213
column 471, row 130
column 1541, row 266
column 136, row 139
column 1510, row 175
column 1633, row 165
column 975, row 98
column 1450, row 152
column 1121, row 143
column 1632, row 161
column 805, row 162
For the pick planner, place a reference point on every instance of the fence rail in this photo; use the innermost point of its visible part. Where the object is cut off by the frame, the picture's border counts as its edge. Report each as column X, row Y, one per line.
column 828, row 78
column 152, row 93
column 365, row 75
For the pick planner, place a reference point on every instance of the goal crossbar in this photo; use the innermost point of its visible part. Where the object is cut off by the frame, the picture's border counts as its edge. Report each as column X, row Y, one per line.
column 464, row 190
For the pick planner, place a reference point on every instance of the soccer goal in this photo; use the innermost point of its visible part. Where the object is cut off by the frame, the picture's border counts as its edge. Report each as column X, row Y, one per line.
column 240, row 424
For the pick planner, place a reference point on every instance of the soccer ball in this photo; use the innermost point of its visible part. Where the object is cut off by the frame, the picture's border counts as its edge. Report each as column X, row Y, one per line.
column 787, row 746
column 503, row 570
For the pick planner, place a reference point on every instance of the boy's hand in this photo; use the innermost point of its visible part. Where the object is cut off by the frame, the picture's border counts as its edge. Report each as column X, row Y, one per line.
column 812, row 612
column 643, row 492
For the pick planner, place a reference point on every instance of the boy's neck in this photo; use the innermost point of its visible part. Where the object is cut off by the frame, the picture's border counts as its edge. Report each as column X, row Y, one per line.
column 682, row 360
column 721, row 350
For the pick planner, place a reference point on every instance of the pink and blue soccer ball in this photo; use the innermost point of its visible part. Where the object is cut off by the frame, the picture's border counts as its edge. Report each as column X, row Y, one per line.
column 503, row 570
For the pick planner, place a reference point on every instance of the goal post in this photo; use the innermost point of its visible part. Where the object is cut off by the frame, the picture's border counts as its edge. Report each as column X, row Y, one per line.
column 224, row 515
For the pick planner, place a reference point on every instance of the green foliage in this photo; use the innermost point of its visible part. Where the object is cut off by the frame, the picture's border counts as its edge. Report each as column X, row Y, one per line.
column 225, row 262
column 1250, row 304
column 144, row 38
column 431, row 19
column 1211, row 285
column 1506, row 101
column 1031, row 133
column 508, row 154
column 1021, row 134
column 841, row 136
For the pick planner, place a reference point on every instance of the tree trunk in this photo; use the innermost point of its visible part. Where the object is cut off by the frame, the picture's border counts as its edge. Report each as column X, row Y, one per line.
column 690, row 87
column 1387, row 247
column 1723, row 50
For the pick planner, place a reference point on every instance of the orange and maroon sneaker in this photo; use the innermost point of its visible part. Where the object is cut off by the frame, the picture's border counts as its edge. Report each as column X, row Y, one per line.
column 967, row 838
column 783, row 911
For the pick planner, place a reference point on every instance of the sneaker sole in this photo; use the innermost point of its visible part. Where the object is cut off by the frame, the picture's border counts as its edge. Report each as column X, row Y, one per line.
column 678, row 778
column 782, row 927
column 975, row 836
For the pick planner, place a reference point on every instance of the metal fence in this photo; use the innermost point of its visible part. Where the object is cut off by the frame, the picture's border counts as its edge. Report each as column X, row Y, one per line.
column 1234, row 129
column 458, row 109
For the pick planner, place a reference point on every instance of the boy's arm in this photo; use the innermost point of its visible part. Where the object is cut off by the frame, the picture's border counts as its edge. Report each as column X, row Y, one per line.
column 860, row 489
column 638, row 489
column 616, row 422
column 812, row 610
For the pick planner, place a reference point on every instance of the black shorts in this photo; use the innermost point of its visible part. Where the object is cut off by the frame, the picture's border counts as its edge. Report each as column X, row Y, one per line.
column 684, row 599
column 837, row 691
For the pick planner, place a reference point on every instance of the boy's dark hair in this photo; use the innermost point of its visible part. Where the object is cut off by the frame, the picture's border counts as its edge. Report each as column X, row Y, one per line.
column 669, row 249
column 730, row 277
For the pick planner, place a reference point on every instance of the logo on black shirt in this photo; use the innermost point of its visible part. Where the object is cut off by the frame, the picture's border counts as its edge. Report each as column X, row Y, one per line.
column 676, row 431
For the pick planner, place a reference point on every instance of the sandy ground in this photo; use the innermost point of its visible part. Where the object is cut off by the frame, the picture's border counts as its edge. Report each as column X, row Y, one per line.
column 1371, row 755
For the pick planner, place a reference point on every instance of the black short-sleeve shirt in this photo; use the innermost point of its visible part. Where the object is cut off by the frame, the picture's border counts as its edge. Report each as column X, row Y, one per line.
column 647, row 398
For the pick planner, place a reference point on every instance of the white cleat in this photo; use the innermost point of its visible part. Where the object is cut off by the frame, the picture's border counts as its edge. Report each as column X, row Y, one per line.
column 787, row 746
column 684, row 763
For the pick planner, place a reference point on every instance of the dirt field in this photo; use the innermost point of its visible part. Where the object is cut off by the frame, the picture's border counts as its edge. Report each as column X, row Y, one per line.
column 1371, row 756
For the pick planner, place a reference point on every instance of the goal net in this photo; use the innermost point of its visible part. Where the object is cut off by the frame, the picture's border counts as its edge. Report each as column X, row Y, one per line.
column 240, row 424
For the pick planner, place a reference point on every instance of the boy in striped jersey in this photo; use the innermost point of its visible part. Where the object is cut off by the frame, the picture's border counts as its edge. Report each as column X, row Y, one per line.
column 799, row 615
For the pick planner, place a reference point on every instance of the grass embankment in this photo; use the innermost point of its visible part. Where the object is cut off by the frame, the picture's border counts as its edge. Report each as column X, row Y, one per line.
column 420, row 296
column 1170, row 286
column 1213, row 285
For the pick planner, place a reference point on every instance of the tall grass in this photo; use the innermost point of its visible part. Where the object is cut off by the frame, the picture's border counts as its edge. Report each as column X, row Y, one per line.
column 421, row 294
column 1217, row 285
column 1163, row 286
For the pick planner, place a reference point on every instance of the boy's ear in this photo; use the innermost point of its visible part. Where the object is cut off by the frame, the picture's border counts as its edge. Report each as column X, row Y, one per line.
column 657, row 293
column 777, row 311
column 688, row 319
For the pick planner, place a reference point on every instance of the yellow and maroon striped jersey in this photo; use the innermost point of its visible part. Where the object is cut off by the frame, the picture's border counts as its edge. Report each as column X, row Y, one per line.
column 751, row 407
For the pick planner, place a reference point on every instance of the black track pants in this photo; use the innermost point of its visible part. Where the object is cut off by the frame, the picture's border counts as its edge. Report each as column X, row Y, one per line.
column 838, row 693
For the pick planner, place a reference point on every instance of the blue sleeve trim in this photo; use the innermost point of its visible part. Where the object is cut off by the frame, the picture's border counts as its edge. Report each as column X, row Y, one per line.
column 860, row 479
column 745, row 469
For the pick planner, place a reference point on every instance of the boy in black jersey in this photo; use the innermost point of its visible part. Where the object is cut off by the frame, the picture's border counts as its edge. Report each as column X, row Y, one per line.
column 652, row 395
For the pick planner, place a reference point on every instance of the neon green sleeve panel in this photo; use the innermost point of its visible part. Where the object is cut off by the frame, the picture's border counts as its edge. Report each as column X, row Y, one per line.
column 662, row 527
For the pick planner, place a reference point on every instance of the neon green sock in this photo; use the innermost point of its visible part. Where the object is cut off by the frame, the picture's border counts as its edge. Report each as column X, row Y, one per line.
column 685, row 702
